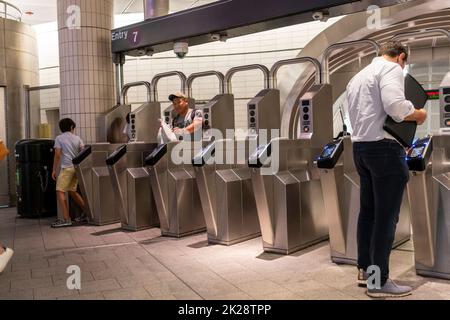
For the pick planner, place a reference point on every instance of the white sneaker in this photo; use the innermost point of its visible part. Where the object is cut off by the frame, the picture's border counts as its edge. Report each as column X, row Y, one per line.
column 61, row 224
column 5, row 257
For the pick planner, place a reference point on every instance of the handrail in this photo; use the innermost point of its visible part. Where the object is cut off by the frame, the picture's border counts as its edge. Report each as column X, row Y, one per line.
column 194, row 76
column 405, row 35
column 279, row 64
column 128, row 86
column 233, row 71
column 330, row 49
column 5, row 12
column 160, row 76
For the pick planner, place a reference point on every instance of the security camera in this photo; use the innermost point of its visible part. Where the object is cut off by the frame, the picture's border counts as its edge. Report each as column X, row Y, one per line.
column 216, row 37
column 320, row 16
column 219, row 37
column 181, row 49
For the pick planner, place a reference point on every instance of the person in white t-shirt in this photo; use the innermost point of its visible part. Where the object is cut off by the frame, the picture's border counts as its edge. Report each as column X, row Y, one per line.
column 67, row 147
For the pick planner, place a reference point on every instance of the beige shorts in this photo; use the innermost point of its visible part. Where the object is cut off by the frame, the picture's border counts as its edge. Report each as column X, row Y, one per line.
column 67, row 180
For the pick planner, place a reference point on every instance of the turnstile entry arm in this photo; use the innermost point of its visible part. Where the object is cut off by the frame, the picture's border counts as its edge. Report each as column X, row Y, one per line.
column 328, row 51
column 160, row 76
column 156, row 155
column 128, row 86
column 151, row 161
column 204, row 156
column 260, row 157
column 327, row 161
column 86, row 152
column 229, row 75
column 192, row 77
column 418, row 160
column 257, row 160
column 112, row 162
column 276, row 67
column 77, row 161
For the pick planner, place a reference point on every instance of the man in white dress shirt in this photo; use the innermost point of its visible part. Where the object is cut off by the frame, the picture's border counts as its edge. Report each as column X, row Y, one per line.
column 374, row 93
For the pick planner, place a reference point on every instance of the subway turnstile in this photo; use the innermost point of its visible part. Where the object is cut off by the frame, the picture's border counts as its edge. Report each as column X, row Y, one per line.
column 172, row 176
column 224, row 179
column 286, row 182
column 129, row 178
column 341, row 189
column 92, row 172
column 95, row 183
column 175, row 191
column 429, row 194
column 131, row 186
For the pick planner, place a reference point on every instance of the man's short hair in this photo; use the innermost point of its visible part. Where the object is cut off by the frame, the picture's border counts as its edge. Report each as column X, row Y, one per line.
column 67, row 125
column 393, row 49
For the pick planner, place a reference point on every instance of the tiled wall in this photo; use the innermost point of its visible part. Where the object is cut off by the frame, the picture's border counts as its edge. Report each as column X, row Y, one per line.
column 87, row 74
column 262, row 48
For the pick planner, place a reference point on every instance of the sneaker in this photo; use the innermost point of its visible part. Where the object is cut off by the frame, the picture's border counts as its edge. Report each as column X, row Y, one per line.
column 5, row 257
column 363, row 276
column 81, row 219
column 390, row 290
column 62, row 223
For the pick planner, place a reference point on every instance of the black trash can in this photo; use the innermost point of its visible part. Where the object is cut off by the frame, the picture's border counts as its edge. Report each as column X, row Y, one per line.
column 34, row 184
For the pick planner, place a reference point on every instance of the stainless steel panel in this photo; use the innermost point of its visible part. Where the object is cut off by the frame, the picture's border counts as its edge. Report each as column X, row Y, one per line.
column 132, row 189
column 96, row 187
column 176, row 193
column 145, row 121
column 341, row 189
column 290, row 201
column 429, row 194
column 227, row 193
column 112, row 123
column 267, row 112
column 220, row 111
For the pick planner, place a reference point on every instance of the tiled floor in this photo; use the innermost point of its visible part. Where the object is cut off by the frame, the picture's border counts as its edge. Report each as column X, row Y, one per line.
column 142, row 265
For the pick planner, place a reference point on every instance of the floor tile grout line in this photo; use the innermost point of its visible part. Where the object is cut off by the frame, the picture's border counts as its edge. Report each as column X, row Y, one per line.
column 173, row 273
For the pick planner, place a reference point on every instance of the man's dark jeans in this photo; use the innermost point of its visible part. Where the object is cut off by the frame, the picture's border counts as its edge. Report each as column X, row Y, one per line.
column 384, row 174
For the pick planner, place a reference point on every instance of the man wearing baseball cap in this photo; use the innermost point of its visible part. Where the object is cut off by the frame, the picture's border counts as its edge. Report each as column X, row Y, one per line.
column 186, row 121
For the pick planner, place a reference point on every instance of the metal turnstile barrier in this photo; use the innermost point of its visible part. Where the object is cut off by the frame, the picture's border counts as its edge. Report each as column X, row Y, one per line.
column 175, row 191
column 95, row 183
column 172, row 180
column 144, row 121
column 224, row 179
column 129, row 178
column 341, row 187
column 429, row 194
column 288, row 194
column 92, row 172
column 131, row 185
